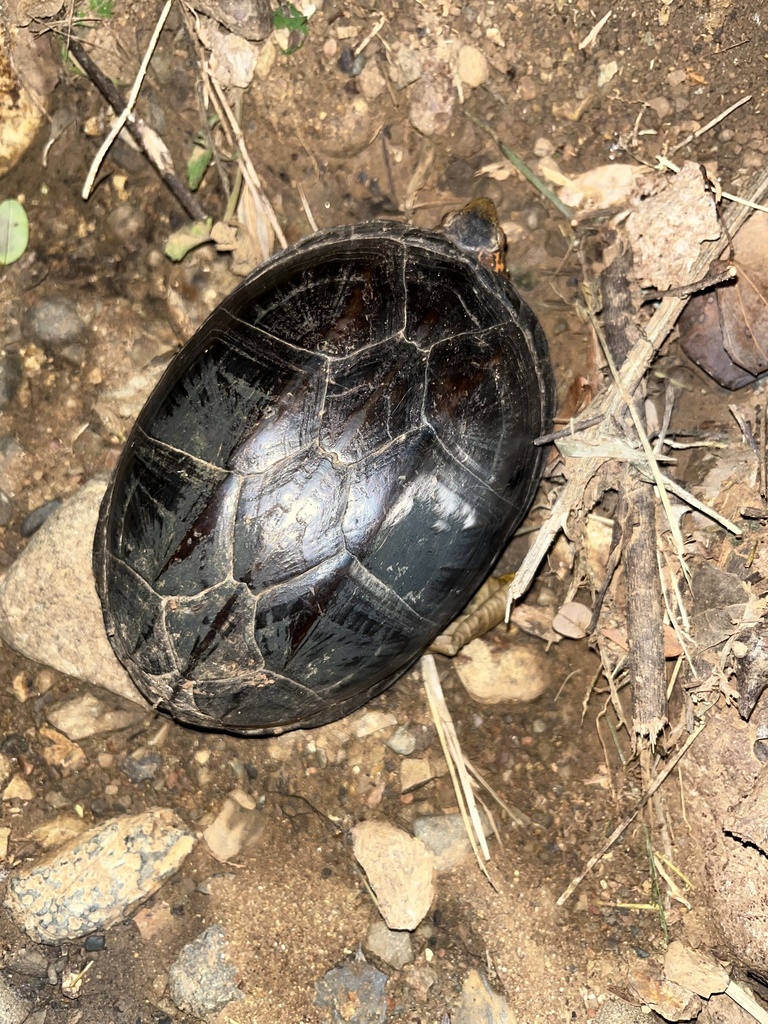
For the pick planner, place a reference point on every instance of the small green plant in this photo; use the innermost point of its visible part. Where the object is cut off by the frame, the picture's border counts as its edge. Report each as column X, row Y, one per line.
column 201, row 156
column 286, row 16
column 14, row 231
column 102, row 8
column 198, row 163
column 188, row 238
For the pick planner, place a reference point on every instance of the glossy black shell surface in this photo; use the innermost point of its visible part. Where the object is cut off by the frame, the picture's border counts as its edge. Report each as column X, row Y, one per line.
column 324, row 475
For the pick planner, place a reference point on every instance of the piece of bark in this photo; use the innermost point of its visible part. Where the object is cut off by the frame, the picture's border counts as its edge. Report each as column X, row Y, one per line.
column 617, row 303
column 645, row 610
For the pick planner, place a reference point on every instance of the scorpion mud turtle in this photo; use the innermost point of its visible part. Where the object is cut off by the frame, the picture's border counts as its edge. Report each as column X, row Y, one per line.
column 324, row 475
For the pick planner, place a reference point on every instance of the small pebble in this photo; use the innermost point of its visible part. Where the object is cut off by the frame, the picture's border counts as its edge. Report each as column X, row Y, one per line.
column 141, row 765
column 86, row 715
column 402, row 741
column 393, row 947
column 125, row 224
column 18, row 789
column 480, row 1003
column 11, row 376
column 472, row 67
column 32, row 522
column 371, row 82
column 350, row 63
column 55, row 322
column 660, row 106
column 432, row 100
column 95, row 943
column 6, row 509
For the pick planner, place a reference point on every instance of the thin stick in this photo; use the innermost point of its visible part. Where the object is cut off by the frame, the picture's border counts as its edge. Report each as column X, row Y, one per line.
column 127, row 113
column 690, row 499
column 749, row 204
column 620, row 829
column 653, row 464
column 594, row 32
column 568, row 431
column 148, row 140
column 763, row 445
column 712, row 123
column 372, row 34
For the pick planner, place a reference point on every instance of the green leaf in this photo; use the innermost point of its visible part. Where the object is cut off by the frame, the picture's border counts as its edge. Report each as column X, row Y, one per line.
column 14, row 231
column 287, row 16
column 187, row 238
column 102, row 8
column 197, row 165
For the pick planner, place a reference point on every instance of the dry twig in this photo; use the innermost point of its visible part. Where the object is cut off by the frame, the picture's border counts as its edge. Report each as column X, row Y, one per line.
column 149, row 141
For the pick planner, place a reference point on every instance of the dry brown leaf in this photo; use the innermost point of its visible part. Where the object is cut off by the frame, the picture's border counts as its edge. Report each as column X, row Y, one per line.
column 672, row 648
column 725, row 331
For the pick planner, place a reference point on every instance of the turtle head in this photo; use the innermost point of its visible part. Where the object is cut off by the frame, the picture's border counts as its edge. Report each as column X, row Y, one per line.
column 476, row 230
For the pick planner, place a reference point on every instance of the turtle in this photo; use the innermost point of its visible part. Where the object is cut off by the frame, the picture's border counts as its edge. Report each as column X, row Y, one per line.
column 324, row 475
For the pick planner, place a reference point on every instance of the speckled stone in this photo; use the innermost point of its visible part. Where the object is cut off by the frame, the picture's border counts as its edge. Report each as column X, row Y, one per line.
column 95, row 880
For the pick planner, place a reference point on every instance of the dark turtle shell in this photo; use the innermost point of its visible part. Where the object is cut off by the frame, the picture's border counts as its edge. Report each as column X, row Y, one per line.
column 324, row 475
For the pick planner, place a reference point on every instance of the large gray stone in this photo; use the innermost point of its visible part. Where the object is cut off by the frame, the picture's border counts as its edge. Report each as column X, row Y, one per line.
column 49, row 609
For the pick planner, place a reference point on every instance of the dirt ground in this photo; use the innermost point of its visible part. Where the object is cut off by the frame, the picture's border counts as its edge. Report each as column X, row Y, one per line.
column 295, row 904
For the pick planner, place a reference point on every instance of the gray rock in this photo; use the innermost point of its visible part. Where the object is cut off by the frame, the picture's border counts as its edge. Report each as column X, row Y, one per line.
column 56, row 322
column 27, row 961
column 35, row 519
column 141, row 765
column 251, row 19
column 354, row 994
column 432, row 99
column 480, row 1004
column 49, row 609
column 86, row 715
column 96, row 879
column 394, row 948
column 13, row 1008
column 402, row 741
column 446, row 836
column 202, row 980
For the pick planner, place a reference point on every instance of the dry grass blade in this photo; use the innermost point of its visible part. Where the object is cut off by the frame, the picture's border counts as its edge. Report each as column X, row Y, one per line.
column 462, row 783
column 620, row 829
column 250, row 177
column 516, row 815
